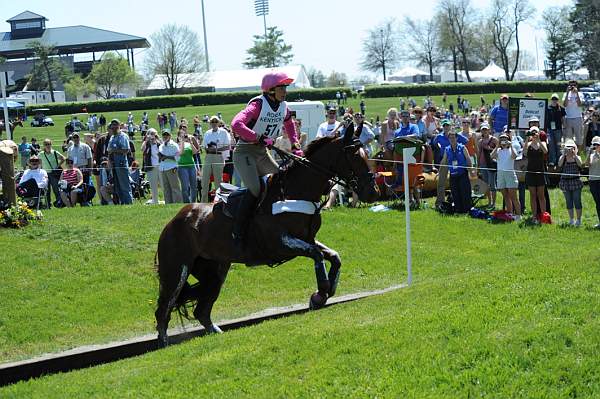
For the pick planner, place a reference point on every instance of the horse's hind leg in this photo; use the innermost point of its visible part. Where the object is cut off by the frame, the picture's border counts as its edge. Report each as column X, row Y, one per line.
column 211, row 276
column 168, row 294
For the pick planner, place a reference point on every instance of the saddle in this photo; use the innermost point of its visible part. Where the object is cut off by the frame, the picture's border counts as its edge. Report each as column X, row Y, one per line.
column 231, row 197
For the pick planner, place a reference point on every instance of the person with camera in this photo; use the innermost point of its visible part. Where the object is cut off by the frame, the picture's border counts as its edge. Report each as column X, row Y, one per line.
column 507, row 181
column 118, row 150
column 593, row 161
column 52, row 162
column 71, row 183
column 572, row 101
column 168, row 153
column 216, row 143
column 535, row 150
column 487, row 165
column 457, row 158
column 150, row 149
column 570, row 180
column 555, row 117
column 186, row 166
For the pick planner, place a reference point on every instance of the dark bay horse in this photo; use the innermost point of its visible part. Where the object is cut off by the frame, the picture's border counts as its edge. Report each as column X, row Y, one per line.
column 198, row 241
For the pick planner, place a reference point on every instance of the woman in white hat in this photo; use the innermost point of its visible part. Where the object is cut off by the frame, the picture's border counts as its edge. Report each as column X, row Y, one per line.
column 570, row 182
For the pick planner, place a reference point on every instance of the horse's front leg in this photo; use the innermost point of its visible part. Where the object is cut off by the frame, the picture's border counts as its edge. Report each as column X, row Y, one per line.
column 335, row 261
column 297, row 247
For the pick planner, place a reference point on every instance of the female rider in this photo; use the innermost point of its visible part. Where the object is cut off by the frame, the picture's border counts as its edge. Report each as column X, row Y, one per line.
column 257, row 126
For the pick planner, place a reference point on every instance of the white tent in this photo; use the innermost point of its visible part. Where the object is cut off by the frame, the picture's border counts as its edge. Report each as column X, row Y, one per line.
column 492, row 72
column 408, row 74
column 581, row 73
column 530, row 75
column 236, row 80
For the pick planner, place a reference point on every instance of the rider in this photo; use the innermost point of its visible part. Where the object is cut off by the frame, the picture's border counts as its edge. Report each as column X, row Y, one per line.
column 257, row 126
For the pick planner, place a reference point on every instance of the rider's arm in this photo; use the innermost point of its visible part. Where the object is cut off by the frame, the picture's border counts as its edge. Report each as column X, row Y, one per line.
column 248, row 116
column 290, row 129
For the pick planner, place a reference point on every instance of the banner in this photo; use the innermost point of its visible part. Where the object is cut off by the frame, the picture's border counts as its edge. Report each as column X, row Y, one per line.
column 520, row 110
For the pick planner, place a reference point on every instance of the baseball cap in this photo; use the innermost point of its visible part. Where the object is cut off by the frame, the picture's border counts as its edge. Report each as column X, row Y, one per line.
column 534, row 119
column 115, row 120
column 485, row 125
column 502, row 97
column 554, row 96
column 446, row 122
column 404, row 113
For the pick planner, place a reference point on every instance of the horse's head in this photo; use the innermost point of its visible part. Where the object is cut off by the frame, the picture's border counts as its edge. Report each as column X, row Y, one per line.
column 353, row 168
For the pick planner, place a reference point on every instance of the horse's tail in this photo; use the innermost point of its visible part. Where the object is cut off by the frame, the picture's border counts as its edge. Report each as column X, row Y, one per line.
column 156, row 261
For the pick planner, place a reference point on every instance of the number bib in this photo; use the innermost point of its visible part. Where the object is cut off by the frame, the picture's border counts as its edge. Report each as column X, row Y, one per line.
column 269, row 122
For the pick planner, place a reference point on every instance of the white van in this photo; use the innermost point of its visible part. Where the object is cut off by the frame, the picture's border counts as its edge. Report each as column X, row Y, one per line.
column 312, row 114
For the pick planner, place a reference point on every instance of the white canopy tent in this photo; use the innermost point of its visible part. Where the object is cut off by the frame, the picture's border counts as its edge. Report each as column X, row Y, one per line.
column 408, row 74
column 235, row 80
column 492, row 72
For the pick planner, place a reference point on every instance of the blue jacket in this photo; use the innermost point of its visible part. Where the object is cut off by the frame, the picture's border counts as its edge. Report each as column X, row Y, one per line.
column 457, row 155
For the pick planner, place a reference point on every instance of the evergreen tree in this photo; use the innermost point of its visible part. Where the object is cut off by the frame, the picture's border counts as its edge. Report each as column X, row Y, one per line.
column 269, row 51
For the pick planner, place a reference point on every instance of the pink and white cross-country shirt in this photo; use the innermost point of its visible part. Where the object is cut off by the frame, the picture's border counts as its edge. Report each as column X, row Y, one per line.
column 260, row 119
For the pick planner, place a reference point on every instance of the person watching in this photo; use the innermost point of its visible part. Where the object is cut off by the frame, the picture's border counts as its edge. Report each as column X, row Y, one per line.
column 507, row 179
column 573, row 117
column 33, row 179
column 498, row 116
column 168, row 154
column 118, row 148
column 150, row 148
column 570, row 181
column 216, row 142
column 457, row 158
column 52, row 162
column 71, row 184
column 330, row 126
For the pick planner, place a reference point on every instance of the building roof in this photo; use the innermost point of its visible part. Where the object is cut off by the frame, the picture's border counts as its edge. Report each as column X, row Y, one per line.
column 71, row 39
column 26, row 16
column 242, row 79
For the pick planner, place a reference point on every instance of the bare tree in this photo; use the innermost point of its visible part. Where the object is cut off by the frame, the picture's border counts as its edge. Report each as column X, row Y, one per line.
column 380, row 49
column 505, row 18
column 460, row 17
column 175, row 50
column 423, row 43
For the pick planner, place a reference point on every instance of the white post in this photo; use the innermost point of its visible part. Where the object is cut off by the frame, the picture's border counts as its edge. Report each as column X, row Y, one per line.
column 407, row 157
column 6, row 120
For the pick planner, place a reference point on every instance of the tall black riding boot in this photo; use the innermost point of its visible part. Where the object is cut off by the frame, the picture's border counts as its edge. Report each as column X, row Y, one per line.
column 240, row 221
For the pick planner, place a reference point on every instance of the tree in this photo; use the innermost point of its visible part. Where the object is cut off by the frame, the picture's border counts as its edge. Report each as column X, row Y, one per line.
column 77, row 86
column 47, row 68
column 176, row 50
column 316, row 77
column 380, row 49
column 269, row 51
column 423, row 43
column 460, row 17
column 336, row 79
column 560, row 41
column 505, row 18
column 585, row 17
column 111, row 74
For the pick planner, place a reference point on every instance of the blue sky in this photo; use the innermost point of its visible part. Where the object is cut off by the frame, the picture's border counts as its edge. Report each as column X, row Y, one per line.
column 326, row 34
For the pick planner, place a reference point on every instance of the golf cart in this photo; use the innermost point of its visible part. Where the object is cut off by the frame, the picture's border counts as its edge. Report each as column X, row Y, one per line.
column 40, row 119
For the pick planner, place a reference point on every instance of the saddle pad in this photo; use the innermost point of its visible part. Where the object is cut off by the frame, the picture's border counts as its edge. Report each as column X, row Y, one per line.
column 295, row 206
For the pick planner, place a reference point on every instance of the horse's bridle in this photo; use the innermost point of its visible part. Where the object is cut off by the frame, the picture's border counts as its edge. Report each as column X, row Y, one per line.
column 350, row 181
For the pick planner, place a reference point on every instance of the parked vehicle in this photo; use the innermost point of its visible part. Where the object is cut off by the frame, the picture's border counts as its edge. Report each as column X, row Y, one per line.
column 40, row 119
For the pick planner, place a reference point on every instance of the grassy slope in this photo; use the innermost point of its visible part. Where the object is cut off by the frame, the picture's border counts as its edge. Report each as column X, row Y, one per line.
column 511, row 323
column 85, row 275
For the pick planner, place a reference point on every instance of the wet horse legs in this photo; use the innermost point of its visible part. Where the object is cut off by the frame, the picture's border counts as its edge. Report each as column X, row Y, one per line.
column 335, row 261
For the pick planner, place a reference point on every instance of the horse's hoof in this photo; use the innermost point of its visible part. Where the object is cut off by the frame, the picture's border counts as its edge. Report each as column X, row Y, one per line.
column 214, row 329
column 317, row 301
column 163, row 342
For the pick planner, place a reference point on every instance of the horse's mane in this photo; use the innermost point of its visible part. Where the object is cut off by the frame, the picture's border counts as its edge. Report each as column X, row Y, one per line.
column 315, row 145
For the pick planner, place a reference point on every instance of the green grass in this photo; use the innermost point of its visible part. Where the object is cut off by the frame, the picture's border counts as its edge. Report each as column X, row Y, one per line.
column 85, row 275
column 495, row 311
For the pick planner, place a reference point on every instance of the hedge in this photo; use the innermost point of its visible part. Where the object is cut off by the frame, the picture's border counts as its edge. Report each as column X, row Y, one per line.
column 182, row 100
column 174, row 101
column 436, row 89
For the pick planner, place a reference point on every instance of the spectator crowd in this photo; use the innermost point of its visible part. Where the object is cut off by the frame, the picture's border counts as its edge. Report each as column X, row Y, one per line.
column 457, row 143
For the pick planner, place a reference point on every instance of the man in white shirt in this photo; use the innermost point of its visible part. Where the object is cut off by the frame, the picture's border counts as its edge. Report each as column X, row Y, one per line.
column 573, row 128
column 33, row 179
column 330, row 126
column 80, row 153
column 216, row 142
column 168, row 153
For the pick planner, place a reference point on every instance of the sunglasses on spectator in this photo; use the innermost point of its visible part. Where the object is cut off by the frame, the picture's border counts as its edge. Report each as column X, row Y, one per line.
column 332, row 112
column 418, row 112
column 595, row 145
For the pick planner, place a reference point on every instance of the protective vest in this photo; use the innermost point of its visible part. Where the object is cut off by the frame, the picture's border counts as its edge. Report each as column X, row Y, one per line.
column 456, row 159
column 269, row 121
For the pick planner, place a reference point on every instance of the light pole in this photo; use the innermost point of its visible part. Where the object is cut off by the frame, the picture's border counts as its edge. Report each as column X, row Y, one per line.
column 205, row 41
column 261, row 8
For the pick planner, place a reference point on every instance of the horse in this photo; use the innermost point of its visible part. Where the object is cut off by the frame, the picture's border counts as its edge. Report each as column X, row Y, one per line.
column 12, row 125
column 198, row 242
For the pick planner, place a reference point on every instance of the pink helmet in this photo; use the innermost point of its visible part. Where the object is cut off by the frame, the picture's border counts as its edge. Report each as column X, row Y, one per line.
column 273, row 79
